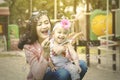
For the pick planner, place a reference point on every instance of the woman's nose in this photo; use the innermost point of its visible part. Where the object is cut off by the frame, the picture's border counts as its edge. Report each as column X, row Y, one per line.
column 44, row 26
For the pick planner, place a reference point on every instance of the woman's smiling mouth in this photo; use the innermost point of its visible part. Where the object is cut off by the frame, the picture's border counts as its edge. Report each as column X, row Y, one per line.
column 45, row 32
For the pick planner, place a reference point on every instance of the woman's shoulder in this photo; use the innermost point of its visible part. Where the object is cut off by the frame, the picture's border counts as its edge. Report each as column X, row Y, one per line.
column 34, row 46
column 30, row 46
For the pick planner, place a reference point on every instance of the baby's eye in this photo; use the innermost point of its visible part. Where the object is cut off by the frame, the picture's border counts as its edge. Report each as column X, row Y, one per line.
column 59, row 32
column 66, row 32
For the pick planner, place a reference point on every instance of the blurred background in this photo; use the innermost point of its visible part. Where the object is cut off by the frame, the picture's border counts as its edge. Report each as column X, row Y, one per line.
column 98, row 20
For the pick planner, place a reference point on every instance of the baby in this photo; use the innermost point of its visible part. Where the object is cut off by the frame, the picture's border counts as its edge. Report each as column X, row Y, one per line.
column 62, row 53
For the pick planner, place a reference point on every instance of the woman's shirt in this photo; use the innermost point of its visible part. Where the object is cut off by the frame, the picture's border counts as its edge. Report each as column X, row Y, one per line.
column 33, row 52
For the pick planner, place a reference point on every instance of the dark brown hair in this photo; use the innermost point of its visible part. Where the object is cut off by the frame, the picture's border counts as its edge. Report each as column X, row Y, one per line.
column 30, row 35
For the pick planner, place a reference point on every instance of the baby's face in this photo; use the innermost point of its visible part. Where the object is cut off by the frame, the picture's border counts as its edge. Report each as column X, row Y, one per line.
column 60, row 35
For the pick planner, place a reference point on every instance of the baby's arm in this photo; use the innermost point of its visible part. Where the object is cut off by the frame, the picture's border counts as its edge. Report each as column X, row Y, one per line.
column 74, row 56
column 51, row 65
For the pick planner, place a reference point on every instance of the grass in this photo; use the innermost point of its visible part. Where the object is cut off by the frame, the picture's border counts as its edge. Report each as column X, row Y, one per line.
column 93, row 50
column 82, row 50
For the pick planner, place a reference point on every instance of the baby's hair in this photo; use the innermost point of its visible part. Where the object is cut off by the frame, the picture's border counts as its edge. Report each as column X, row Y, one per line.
column 56, row 25
column 64, row 23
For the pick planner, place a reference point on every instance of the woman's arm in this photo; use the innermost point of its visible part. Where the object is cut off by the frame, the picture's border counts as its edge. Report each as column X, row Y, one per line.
column 30, row 54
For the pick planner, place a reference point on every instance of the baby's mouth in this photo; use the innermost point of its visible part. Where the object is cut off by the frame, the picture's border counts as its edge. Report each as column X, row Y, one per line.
column 60, row 38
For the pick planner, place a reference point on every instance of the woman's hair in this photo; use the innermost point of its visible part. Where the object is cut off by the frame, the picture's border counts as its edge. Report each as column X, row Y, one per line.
column 30, row 35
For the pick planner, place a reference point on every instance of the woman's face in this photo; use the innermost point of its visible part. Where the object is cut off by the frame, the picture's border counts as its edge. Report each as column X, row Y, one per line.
column 43, row 27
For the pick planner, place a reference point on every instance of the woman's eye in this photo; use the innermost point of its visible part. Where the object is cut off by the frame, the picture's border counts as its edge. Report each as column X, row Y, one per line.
column 39, row 24
column 46, row 22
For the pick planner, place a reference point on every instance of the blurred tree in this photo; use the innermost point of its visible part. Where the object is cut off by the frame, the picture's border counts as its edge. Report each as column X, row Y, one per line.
column 20, row 9
column 3, row 4
column 102, row 4
column 47, row 5
column 67, row 7
column 17, row 10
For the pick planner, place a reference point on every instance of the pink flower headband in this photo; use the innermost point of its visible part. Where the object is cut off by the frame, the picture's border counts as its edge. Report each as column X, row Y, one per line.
column 64, row 24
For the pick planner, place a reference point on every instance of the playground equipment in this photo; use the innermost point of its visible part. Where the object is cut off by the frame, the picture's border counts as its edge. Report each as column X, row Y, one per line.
column 105, row 41
column 13, row 36
column 104, row 33
column 4, row 14
column 99, row 19
column 107, row 46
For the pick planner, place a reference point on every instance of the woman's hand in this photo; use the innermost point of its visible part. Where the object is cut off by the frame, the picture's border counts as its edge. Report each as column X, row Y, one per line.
column 46, row 47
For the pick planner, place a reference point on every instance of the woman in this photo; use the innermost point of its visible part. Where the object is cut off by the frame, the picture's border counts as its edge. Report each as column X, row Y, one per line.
column 35, row 43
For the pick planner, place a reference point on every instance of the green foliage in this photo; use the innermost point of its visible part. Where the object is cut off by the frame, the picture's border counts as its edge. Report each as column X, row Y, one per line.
column 3, row 5
column 98, row 4
column 17, row 9
column 20, row 9
column 102, row 4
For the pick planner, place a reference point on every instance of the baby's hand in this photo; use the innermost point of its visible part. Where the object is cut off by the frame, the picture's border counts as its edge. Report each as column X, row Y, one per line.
column 51, row 65
column 53, row 69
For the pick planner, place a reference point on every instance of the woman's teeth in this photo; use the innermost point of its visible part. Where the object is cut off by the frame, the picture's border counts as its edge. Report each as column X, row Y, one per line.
column 45, row 32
